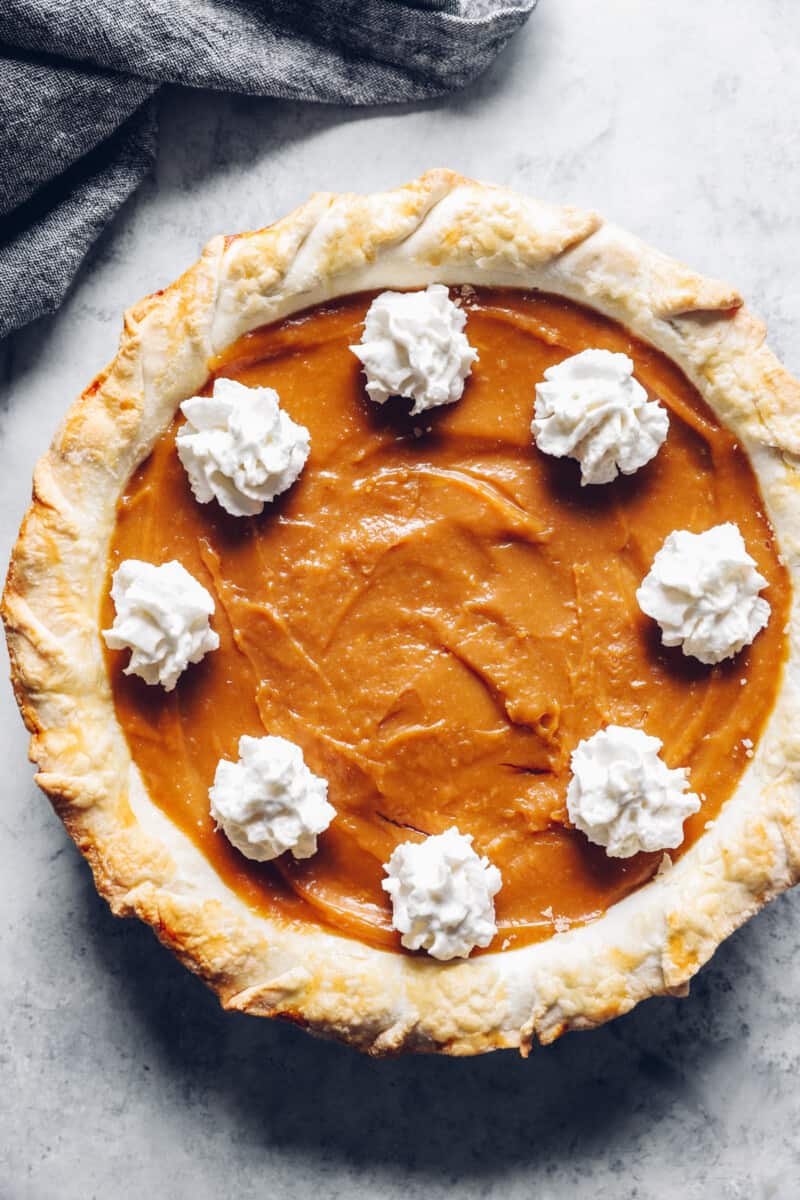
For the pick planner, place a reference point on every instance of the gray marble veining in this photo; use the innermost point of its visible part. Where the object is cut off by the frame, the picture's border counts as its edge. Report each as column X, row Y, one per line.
column 120, row 1075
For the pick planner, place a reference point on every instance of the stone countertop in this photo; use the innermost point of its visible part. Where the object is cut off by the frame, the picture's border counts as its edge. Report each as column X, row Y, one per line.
column 121, row 1076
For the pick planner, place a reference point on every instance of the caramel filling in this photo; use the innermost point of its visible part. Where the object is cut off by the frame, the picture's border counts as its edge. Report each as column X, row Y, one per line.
column 436, row 613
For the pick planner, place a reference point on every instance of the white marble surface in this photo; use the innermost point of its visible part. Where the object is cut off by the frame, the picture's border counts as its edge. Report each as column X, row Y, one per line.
column 120, row 1076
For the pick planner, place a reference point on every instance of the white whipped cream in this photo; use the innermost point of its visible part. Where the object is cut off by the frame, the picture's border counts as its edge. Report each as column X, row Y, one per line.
column 269, row 801
column 442, row 895
column 702, row 589
column 162, row 618
column 414, row 345
column 624, row 797
column 239, row 447
column 591, row 408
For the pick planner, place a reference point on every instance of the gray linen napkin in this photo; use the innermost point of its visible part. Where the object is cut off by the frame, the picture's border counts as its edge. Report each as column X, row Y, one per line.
column 78, row 80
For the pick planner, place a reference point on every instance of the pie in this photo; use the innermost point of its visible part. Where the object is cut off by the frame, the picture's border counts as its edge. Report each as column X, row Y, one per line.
column 435, row 611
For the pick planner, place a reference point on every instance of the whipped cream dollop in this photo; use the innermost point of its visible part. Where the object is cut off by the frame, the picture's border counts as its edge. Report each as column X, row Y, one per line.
column 239, row 447
column 623, row 796
column 414, row 345
column 591, row 408
column 442, row 895
column 702, row 589
column 162, row 618
column 269, row 801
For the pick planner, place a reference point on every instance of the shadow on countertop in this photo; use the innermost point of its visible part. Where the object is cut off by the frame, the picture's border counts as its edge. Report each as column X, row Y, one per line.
column 452, row 1118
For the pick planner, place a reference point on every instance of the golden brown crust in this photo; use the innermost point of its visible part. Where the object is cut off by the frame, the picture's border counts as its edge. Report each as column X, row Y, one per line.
column 439, row 228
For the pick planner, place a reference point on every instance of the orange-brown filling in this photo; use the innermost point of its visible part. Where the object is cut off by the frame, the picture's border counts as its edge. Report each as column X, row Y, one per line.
column 436, row 613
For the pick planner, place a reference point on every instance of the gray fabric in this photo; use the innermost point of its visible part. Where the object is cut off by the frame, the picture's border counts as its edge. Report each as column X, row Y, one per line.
column 77, row 96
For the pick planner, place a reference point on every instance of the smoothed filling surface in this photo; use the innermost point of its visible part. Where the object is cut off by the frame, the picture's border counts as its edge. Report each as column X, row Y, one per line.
column 437, row 613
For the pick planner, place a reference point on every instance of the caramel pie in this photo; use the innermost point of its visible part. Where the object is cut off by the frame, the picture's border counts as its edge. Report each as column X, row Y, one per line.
column 436, row 612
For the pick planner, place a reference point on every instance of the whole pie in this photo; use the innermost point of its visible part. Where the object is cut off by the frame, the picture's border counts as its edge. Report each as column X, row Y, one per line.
column 405, row 619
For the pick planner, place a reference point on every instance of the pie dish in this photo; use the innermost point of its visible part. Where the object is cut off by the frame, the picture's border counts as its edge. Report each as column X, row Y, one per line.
column 319, row 651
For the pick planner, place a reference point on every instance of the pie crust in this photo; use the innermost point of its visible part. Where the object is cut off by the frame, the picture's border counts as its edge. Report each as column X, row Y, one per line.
column 440, row 228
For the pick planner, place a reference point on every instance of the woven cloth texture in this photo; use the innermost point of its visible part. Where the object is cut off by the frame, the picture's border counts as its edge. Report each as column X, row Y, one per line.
column 79, row 84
